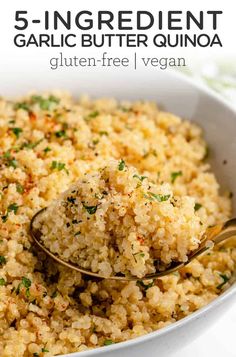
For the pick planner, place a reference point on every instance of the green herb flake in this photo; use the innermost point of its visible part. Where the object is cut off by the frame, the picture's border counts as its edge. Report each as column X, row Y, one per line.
column 197, row 206
column 90, row 209
column 95, row 141
column 9, row 160
column 17, row 131
column 45, row 103
column 59, row 166
column 92, row 115
column 25, row 282
column 108, row 342
column 4, row 218
column 103, row 133
column 47, row 149
column 35, row 354
column 19, row 188
column 225, row 280
column 13, row 163
column 121, row 165
column 7, row 155
column 22, row 105
column 2, row 260
column 77, row 233
column 141, row 178
column 31, row 145
column 60, row 134
column 153, row 196
column 45, row 350
column 2, row 282
column 175, row 174
column 144, row 286
column 13, row 207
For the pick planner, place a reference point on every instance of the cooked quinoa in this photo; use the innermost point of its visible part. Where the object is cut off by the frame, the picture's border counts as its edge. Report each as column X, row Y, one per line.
column 114, row 221
column 47, row 144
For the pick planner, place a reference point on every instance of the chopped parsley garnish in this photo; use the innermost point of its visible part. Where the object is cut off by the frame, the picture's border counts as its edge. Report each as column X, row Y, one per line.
column 13, row 163
column 225, row 280
column 47, row 149
column 141, row 178
column 30, row 145
column 103, row 133
column 77, row 233
column 4, row 218
column 56, row 165
column 174, row 175
column 45, row 350
column 60, row 134
column 121, row 165
column 7, row 155
column 153, row 196
column 95, row 141
column 17, row 131
column 2, row 260
column 93, row 115
column 13, row 207
column 108, row 342
column 35, row 354
column 2, row 282
column 22, row 105
column 9, row 160
column 25, row 282
column 90, row 209
column 144, row 286
column 19, row 188
column 197, row 206
column 45, row 103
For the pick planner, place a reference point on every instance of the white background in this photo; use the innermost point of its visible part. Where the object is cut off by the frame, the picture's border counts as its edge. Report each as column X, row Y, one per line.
column 220, row 339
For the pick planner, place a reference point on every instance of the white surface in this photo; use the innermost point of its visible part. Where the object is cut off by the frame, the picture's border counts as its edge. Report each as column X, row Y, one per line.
column 217, row 341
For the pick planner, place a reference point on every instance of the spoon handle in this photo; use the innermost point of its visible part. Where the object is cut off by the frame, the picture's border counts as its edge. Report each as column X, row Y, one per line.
column 216, row 235
column 228, row 230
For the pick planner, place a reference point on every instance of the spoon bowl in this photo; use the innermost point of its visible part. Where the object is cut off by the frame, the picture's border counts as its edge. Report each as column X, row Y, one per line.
column 213, row 236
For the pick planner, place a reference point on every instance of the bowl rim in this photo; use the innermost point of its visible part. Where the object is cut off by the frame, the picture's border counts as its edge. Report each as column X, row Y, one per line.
column 225, row 295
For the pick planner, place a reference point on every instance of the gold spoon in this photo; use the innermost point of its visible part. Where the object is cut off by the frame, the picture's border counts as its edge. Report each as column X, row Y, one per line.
column 215, row 234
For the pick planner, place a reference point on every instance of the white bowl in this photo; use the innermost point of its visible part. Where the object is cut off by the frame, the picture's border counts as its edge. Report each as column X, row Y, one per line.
column 178, row 95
